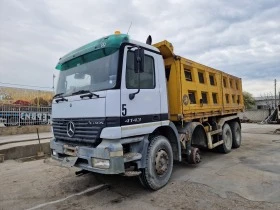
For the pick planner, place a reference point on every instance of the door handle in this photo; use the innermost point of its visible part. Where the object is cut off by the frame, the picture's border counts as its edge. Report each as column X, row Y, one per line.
column 155, row 118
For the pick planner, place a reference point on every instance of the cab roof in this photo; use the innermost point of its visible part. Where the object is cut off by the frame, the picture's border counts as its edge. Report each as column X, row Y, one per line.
column 109, row 42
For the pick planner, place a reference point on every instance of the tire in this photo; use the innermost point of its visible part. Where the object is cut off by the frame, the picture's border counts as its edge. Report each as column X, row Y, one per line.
column 227, row 137
column 159, row 164
column 236, row 134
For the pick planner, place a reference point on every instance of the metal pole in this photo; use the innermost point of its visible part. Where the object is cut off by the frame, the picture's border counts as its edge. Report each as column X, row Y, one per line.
column 19, row 115
column 39, row 139
column 275, row 94
column 40, row 153
column 279, row 98
column 53, row 82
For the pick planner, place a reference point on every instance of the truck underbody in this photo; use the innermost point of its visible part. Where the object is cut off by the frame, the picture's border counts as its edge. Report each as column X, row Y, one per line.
column 128, row 156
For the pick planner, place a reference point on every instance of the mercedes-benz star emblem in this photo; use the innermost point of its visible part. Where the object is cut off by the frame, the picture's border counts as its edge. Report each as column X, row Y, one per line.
column 70, row 129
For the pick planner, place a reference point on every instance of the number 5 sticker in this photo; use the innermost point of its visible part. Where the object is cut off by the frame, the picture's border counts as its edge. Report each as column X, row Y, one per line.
column 124, row 110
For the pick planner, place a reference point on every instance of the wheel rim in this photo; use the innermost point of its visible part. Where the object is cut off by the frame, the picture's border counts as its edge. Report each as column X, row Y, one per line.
column 161, row 162
column 227, row 140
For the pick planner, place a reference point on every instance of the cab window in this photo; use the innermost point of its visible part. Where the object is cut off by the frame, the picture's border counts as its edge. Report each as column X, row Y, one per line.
column 147, row 78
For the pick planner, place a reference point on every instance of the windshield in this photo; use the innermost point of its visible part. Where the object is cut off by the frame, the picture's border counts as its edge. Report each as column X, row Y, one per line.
column 99, row 74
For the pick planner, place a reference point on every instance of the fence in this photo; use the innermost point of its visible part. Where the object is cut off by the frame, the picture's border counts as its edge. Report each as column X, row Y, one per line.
column 15, row 115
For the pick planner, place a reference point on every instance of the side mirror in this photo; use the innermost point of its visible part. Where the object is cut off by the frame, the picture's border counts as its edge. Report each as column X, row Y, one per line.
column 139, row 60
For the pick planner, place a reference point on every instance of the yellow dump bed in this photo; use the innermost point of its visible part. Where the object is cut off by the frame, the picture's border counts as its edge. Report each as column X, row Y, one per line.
column 196, row 91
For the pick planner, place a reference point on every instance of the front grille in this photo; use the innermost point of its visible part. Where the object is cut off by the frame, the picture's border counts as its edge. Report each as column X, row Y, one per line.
column 87, row 130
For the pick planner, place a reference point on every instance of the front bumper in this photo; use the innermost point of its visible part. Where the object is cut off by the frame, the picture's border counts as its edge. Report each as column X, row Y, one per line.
column 106, row 150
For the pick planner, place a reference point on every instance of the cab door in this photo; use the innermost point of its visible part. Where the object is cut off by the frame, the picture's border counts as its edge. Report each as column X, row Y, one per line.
column 141, row 114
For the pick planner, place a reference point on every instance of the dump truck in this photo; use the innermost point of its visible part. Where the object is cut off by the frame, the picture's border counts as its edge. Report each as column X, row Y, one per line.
column 131, row 108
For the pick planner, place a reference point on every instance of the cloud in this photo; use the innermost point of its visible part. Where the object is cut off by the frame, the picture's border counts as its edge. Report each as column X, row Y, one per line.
column 239, row 37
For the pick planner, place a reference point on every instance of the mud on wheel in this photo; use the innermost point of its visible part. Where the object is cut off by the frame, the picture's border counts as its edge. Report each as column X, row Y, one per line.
column 159, row 164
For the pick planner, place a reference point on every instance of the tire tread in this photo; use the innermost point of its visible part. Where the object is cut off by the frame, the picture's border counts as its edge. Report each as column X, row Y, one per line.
column 233, row 128
column 222, row 148
column 145, row 172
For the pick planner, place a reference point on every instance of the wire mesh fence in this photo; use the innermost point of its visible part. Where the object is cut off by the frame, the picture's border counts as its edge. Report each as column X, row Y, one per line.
column 16, row 115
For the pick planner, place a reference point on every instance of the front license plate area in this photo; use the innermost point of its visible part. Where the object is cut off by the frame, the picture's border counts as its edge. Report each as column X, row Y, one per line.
column 68, row 150
column 69, row 161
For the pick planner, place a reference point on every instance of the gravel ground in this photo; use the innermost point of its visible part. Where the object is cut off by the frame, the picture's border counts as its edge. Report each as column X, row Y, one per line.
column 246, row 178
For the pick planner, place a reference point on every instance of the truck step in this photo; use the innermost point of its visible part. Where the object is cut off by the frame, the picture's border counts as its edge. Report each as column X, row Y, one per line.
column 132, row 173
column 131, row 156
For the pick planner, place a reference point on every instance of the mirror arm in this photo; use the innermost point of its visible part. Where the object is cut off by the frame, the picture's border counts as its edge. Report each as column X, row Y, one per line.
column 132, row 95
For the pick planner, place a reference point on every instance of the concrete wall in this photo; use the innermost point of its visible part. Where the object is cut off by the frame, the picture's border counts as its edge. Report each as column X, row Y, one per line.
column 254, row 115
column 23, row 151
column 13, row 130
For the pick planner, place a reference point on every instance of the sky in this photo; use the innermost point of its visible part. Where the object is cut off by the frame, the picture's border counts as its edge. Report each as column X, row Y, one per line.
column 240, row 37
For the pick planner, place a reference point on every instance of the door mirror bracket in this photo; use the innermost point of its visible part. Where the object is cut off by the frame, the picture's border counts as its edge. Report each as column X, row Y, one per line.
column 138, row 68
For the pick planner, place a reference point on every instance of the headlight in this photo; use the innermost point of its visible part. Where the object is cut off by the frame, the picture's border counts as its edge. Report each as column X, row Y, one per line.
column 100, row 163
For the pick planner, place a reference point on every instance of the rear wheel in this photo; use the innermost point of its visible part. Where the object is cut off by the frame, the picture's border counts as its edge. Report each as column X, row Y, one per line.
column 227, row 137
column 236, row 134
column 159, row 164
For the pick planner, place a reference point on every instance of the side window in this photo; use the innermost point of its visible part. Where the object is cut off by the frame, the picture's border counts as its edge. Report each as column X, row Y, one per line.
column 147, row 78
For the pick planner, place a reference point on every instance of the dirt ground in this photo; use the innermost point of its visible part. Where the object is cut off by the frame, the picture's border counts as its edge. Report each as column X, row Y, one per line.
column 246, row 178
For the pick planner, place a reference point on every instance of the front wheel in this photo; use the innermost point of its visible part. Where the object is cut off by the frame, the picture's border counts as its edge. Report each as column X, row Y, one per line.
column 159, row 164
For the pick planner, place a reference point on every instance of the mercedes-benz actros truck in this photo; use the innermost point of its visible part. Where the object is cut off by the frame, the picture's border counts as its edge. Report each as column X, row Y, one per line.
column 131, row 108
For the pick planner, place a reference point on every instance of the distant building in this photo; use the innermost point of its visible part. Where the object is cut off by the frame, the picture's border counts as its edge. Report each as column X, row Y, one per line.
column 266, row 102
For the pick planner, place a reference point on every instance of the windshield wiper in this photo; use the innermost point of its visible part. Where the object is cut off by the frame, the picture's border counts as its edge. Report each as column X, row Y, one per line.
column 61, row 98
column 86, row 93
column 58, row 94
